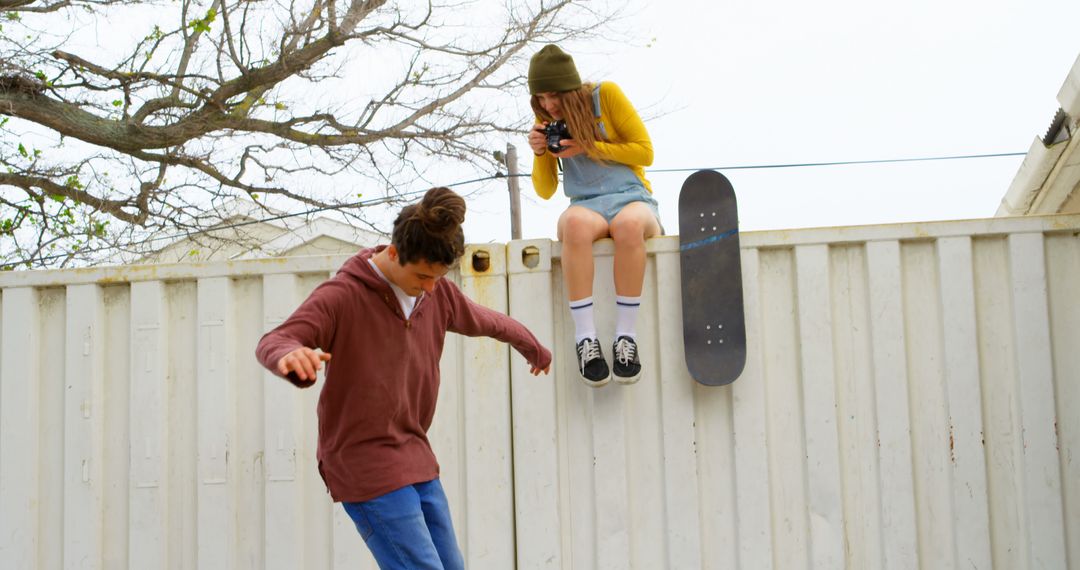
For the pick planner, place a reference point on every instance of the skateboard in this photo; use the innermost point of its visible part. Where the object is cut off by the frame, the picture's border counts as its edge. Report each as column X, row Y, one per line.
column 714, row 327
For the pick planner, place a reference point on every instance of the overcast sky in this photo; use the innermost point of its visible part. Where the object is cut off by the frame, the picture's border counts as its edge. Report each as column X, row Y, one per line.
column 780, row 82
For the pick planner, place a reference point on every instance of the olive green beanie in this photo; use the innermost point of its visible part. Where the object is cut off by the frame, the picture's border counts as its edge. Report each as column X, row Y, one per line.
column 552, row 69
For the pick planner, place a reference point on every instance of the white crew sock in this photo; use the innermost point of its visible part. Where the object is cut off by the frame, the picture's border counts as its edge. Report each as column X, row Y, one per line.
column 626, row 309
column 584, row 325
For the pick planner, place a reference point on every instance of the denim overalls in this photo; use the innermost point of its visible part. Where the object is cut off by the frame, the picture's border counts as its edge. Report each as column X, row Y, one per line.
column 603, row 187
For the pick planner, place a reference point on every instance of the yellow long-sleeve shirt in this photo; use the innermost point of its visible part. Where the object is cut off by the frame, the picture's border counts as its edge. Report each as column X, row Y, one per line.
column 628, row 142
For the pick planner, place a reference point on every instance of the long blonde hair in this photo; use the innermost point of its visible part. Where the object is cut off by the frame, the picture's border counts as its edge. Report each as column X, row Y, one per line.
column 577, row 109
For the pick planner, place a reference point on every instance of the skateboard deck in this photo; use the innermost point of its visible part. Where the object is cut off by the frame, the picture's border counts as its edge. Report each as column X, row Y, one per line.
column 714, row 327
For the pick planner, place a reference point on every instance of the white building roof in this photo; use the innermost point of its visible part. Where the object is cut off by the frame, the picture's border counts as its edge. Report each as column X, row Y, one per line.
column 1048, row 181
column 249, row 230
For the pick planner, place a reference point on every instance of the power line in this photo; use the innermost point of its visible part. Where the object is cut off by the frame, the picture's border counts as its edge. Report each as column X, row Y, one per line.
column 841, row 162
column 376, row 201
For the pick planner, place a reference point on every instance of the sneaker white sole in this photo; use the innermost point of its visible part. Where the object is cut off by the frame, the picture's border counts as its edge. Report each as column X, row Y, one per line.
column 595, row 384
column 626, row 380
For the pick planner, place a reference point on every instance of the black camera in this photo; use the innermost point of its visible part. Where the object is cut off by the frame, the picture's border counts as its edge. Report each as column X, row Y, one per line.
column 554, row 132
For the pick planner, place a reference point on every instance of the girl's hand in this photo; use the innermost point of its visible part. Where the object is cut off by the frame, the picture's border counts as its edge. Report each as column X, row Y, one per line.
column 536, row 139
column 570, row 148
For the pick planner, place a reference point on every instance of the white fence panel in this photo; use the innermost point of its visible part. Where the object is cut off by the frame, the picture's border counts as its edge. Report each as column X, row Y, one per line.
column 287, row 466
column 149, row 396
column 882, row 419
column 539, row 460
column 908, row 402
column 895, row 490
column 20, row 428
column 474, row 430
column 84, row 424
column 1062, row 276
column 961, row 361
column 1038, row 422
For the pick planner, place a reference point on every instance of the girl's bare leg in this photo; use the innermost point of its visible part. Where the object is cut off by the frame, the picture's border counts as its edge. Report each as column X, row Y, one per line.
column 634, row 224
column 578, row 228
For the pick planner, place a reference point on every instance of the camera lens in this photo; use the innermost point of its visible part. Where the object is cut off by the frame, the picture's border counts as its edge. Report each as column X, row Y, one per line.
column 554, row 132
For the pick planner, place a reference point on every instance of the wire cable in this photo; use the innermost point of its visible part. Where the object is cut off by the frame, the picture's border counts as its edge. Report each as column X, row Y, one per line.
column 841, row 162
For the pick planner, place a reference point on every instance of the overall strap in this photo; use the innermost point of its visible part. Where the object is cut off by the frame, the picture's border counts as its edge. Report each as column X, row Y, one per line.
column 596, row 101
column 596, row 111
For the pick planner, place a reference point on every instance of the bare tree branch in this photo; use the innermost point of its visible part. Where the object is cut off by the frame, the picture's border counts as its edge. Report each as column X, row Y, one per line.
column 44, row 186
column 303, row 102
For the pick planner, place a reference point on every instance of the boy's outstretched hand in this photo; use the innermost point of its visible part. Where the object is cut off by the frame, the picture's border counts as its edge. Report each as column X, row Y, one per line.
column 545, row 356
column 304, row 361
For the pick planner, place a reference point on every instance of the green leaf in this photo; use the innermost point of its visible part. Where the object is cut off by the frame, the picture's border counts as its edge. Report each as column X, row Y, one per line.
column 22, row 150
column 40, row 75
column 117, row 103
column 203, row 24
column 280, row 106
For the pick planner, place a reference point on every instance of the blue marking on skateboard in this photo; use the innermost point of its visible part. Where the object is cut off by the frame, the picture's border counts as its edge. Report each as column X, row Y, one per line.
column 707, row 241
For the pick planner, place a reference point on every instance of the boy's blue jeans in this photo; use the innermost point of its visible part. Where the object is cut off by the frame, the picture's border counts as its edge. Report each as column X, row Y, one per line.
column 409, row 528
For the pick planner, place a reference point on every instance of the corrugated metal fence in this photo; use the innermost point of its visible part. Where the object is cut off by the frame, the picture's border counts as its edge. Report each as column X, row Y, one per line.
column 909, row 401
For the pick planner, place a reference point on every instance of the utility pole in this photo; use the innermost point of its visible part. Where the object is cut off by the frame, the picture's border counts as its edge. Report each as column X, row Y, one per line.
column 515, row 191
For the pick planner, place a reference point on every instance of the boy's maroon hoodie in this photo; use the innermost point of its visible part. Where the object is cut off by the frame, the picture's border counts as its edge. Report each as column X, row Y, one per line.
column 383, row 378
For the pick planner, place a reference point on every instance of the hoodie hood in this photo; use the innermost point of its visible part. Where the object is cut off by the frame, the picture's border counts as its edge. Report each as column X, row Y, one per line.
column 358, row 268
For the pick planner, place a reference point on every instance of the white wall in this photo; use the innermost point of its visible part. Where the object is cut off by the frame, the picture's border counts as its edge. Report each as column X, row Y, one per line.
column 908, row 402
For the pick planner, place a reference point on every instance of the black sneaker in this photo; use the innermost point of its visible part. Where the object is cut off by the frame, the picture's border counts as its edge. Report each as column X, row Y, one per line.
column 627, row 364
column 591, row 364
